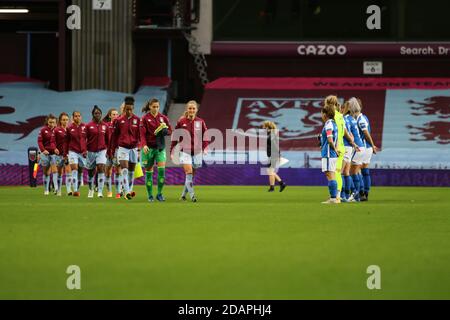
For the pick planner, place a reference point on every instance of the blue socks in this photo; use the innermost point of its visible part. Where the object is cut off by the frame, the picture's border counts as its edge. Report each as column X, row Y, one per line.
column 55, row 180
column 356, row 182
column 348, row 185
column 117, row 182
column 332, row 187
column 101, row 182
column 108, row 182
column 75, row 180
column 361, row 183
column 131, row 179
column 91, row 182
column 47, row 183
column 189, row 184
column 69, row 182
column 124, row 180
column 366, row 178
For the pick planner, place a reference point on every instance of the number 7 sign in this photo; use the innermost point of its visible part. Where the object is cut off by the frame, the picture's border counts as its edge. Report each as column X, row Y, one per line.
column 101, row 4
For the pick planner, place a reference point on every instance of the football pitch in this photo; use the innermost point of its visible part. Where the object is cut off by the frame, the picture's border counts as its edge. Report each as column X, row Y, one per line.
column 235, row 243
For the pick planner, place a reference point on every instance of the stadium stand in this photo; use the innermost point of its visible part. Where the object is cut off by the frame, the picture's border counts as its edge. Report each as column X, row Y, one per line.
column 409, row 117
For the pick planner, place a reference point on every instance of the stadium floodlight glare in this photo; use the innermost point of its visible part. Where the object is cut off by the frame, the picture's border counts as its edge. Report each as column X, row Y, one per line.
column 14, row 10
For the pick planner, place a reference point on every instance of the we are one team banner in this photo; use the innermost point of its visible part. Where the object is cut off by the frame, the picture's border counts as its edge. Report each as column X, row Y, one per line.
column 410, row 117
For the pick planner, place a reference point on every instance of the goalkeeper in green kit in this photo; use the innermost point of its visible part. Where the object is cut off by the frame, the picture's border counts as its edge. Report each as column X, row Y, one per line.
column 154, row 128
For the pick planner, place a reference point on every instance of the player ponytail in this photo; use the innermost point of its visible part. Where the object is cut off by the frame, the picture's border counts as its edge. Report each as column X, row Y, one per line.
column 269, row 125
column 148, row 104
column 333, row 102
column 328, row 110
column 345, row 108
column 354, row 106
column 107, row 118
column 360, row 104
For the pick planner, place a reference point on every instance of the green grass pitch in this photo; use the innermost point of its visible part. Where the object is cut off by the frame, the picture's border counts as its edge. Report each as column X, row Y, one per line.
column 235, row 243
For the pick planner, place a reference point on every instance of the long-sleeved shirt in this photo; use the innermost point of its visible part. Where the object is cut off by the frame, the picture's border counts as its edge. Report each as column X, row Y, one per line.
column 196, row 129
column 149, row 124
column 96, row 136
column 126, row 133
column 60, row 137
column 46, row 140
column 76, row 138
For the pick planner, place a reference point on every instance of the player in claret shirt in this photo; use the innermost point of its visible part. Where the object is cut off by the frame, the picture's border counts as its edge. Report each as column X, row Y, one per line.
column 126, row 138
column 154, row 128
column 97, row 145
column 76, row 148
column 193, row 149
column 111, row 161
column 49, row 152
column 60, row 137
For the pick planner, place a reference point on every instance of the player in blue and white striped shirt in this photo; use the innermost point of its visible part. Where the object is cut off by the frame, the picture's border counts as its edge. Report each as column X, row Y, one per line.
column 352, row 144
column 329, row 151
column 369, row 148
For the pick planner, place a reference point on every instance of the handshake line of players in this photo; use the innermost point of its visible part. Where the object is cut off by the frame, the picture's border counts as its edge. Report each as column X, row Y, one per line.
column 346, row 149
column 114, row 141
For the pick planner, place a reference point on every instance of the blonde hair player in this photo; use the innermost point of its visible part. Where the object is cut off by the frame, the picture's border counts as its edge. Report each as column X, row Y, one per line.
column 333, row 102
column 329, row 151
column 63, row 162
column 191, row 154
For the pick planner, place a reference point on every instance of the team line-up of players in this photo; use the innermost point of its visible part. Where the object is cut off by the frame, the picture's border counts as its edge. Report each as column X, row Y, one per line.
column 346, row 149
column 113, row 142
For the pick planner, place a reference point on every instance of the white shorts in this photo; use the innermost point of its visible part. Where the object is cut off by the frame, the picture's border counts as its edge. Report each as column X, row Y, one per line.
column 95, row 158
column 124, row 154
column 48, row 160
column 329, row 164
column 348, row 154
column 357, row 157
column 195, row 160
column 76, row 158
column 367, row 156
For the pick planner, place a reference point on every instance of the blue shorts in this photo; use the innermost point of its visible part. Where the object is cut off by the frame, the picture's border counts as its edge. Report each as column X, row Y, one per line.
column 76, row 158
column 124, row 154
column 95, row 158
column 113, row 162
column 47, row 160
column 194, row 160
column 60, row 162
